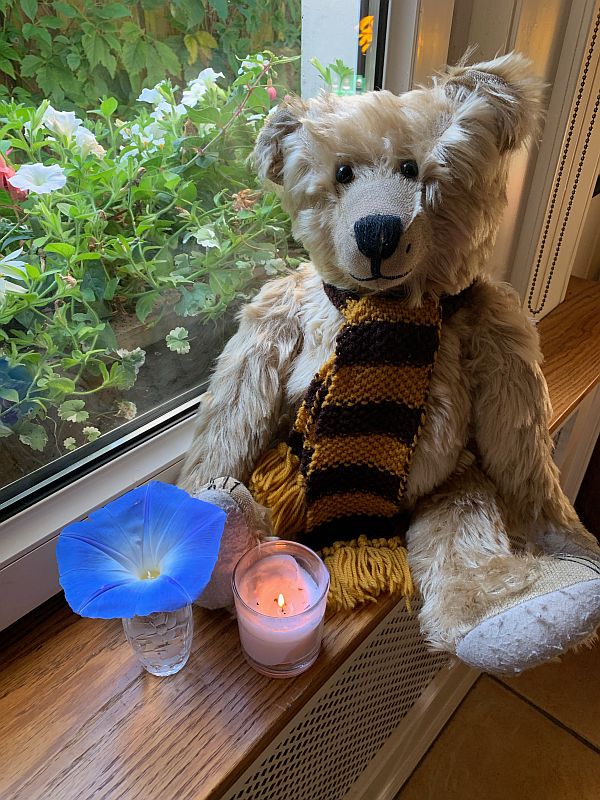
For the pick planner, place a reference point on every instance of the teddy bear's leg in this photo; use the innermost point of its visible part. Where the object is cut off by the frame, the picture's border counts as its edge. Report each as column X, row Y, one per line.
column 497, row 606
column 247, row 523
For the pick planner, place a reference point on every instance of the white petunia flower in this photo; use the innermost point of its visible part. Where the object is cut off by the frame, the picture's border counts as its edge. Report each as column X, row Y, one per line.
column 64, row 123
column 9, row 286
column 13, row 267
column 152, row 134
column 87, row 143
column 38, row 178
column 10, row 264
column 152, row 96
column 164, row 109
column 250, row 62
column 197, row 88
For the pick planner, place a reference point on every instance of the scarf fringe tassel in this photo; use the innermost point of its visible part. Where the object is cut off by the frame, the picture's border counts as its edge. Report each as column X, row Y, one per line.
column 364, row 568
column 278, row 484
column 361, row 569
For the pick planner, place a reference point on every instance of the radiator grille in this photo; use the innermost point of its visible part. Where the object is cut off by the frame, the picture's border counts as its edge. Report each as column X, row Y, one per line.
column 324, row 751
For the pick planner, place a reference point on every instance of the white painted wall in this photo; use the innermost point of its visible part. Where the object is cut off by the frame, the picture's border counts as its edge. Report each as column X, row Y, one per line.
column 329, row 31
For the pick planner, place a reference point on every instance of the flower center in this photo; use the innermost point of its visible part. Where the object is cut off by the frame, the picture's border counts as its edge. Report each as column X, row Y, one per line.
column 150, row 574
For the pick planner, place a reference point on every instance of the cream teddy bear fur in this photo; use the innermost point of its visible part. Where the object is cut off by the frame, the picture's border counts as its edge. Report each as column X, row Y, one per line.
column 508, row 575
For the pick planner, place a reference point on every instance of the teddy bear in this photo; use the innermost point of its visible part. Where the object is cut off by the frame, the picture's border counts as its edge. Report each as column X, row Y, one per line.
column 385, row 401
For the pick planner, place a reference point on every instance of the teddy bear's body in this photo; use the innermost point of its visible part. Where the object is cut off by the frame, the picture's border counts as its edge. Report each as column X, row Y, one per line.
column 405, row 194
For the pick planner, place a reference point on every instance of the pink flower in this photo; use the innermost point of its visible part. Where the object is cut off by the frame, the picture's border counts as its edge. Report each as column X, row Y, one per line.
column 272, row 92
column 7, row 172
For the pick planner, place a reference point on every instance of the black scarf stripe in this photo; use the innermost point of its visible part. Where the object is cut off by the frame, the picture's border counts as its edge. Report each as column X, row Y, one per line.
column 344, row 528
column 384, row 342
column 353, row 478
column 388, row 417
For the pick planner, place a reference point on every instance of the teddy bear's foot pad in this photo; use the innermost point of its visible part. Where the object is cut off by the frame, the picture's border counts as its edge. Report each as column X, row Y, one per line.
column 541, row 622
column 246, row 524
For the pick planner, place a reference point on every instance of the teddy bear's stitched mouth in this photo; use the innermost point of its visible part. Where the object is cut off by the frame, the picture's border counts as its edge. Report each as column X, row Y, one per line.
column 381, row 277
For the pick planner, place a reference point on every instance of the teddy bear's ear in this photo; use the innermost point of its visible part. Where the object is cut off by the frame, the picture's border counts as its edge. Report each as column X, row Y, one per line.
column 510, row 91
column 268, row 152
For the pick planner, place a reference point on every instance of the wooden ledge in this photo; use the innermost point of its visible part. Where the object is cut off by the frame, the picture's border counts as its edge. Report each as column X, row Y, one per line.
column 80, row 718
column 570, row 337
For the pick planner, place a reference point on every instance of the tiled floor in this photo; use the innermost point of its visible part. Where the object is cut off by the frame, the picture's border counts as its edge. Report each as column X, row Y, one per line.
column 534, row 737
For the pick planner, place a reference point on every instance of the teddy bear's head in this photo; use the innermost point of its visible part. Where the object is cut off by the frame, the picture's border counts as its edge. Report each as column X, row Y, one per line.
column 387, row 191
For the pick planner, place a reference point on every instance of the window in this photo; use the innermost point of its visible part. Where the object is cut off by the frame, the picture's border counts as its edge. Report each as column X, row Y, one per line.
column 131, row 225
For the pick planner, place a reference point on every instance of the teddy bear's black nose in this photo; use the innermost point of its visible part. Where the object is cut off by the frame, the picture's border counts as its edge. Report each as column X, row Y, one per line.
column 377, row 235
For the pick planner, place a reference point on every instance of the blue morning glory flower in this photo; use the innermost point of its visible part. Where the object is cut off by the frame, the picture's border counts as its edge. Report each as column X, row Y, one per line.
column 153, row 549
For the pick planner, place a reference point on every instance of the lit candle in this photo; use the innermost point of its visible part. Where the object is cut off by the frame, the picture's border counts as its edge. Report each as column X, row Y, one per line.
column 280, row 590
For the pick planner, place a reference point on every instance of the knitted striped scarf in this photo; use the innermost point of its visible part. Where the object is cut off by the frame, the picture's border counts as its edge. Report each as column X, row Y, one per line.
column 338, row 483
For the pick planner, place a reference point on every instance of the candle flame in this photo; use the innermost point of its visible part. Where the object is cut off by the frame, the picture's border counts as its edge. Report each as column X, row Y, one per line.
column 281, row 601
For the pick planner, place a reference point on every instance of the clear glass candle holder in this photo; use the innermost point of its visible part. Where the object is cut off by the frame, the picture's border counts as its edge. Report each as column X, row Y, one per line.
column 162, row 641
column 280, row 590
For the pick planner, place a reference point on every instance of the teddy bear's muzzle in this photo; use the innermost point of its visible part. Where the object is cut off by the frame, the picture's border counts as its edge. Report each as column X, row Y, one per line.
column 377, row 237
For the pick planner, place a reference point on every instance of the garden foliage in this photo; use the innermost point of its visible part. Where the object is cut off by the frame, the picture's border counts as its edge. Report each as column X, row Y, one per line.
column 103, row 218
column 72, row 52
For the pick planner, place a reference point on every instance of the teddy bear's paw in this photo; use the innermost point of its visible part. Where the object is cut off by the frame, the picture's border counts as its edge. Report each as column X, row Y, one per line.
column 246, row 524
column 559, row 611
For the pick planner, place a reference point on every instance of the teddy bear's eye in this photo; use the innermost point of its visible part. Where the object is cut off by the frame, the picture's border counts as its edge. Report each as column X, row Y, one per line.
column 344, row 174
column 409, row 169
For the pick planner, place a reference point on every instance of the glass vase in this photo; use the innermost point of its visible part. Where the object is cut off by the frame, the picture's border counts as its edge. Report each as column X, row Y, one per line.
column 162, row 641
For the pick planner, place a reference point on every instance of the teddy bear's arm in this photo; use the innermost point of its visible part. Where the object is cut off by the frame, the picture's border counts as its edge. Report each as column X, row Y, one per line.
column 511, row 410
column 239, row 413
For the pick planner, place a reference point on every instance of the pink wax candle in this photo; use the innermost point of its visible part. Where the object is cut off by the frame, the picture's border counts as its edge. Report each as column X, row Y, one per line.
column 280, row 591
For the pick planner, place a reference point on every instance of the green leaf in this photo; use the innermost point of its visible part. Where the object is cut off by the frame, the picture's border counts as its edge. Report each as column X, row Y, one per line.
column 54, row 23
column 177, row 341
column 73, row 59
column 110, row 289
column 134, row 55
column 8, row 51
column 259, row 98
column 206, row 39
column 5, row 431
column 61, row 385
column 93, row 284
column 62, row 248
column 7, row 68
column 73, row 411
column 30, row 7
column 98, row 52
column 65, row 9
column 220, row 6
column 91, row 433
column 168, row 57
column 30, row 66
column 87, row 257
column 192, row 301
column 31, row 31
column 33, row 435
column 144, row 305
column 109, row 106
column 9, row 394
column 203, row 115
column 192, row 11
column 113, row 11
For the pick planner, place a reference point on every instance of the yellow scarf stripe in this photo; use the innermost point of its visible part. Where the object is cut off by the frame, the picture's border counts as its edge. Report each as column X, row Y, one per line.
column 406, row 384
column 375, row 308
column 346, row 504
column 383, row 452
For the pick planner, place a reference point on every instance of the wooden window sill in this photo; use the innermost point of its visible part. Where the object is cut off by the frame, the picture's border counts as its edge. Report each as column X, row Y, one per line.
column 81, row 719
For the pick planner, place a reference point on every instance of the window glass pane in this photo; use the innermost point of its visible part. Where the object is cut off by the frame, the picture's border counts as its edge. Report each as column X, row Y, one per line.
column 131, row 224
